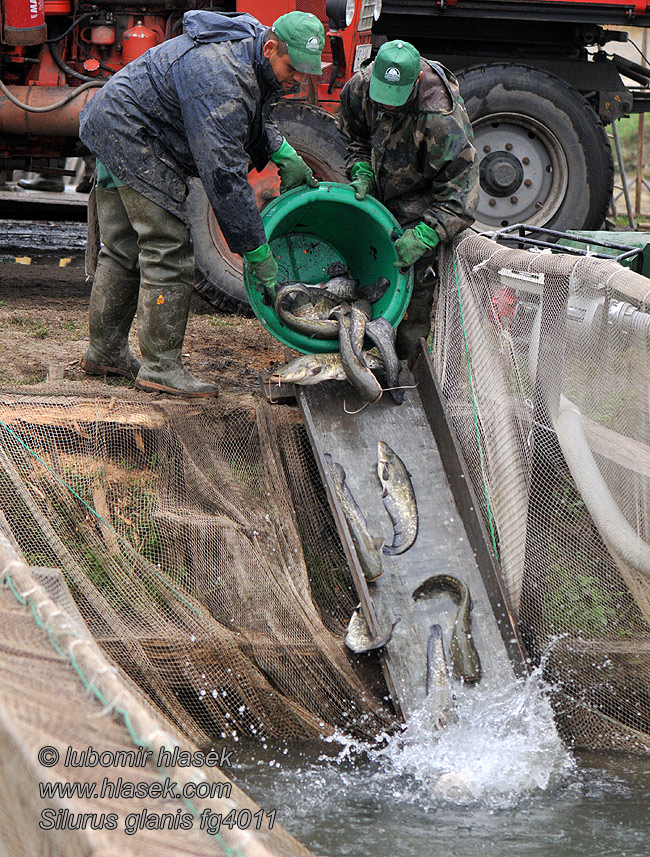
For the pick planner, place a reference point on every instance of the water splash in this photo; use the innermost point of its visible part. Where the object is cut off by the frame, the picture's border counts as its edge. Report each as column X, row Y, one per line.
column 503, row 749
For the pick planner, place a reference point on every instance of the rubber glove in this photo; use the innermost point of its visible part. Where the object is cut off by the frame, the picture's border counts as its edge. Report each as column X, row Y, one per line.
column 363, row 179
column 414, row 243
column 293, row 170
column 263, row 267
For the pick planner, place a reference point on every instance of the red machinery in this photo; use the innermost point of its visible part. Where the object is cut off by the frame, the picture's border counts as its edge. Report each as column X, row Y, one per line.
column 539, row 79
column 62, row 50
column 54, row 54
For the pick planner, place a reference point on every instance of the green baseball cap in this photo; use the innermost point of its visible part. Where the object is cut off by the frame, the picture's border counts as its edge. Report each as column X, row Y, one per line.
column 305, row 38
column 394, row 72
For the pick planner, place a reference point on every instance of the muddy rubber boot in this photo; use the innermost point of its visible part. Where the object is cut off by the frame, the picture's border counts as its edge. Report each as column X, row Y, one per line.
column 162, row 319
column 51, row 184
column 114, row 296
column 113, row 302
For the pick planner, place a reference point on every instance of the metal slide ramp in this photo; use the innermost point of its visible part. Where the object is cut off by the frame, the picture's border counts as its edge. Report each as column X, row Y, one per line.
column 451, row 538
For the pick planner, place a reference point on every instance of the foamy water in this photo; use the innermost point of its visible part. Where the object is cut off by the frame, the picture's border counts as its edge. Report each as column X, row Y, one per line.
column 503, row 747
column 498, row 783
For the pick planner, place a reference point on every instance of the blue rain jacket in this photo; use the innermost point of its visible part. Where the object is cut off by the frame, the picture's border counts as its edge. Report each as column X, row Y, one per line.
column 196, row 105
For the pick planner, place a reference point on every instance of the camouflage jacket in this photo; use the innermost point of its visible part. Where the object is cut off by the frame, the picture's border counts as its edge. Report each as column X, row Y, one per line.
column 196, row 105
column 422, row 154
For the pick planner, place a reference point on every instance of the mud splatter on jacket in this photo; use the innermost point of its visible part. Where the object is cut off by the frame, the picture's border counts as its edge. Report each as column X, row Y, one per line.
column 196, row 105
column 422, row 154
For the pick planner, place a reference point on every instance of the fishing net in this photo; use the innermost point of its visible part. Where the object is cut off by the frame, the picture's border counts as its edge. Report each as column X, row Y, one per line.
column 194, row 539
column 544, row 361
column 61, row 694
column 191, row 544
column 194, row 543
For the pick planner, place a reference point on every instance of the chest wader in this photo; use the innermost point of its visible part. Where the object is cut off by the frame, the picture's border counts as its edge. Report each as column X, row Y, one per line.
column 144, row 240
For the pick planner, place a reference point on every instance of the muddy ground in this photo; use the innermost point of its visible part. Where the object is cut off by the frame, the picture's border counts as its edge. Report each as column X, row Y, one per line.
column 44, row 330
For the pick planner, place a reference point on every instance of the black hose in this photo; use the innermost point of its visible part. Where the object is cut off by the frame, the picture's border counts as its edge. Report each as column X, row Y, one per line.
column 74, row 24
column 66, row 68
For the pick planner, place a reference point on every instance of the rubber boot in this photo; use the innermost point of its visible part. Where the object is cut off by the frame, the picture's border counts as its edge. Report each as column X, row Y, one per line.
column 113, row 302
column 164, row 253
column 417, row 321
column 162, row 319
column 51, row 184
column 86, row 182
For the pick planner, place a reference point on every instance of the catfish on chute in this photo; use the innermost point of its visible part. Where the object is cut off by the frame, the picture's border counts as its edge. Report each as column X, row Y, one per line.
column 399, row 499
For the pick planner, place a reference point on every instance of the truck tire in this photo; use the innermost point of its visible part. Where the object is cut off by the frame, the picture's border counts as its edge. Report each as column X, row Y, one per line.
column 218, row 278
column 544, row 155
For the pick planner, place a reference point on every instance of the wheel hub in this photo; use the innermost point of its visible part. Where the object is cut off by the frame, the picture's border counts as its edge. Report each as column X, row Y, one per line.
column 501, row 173
column 523, row 171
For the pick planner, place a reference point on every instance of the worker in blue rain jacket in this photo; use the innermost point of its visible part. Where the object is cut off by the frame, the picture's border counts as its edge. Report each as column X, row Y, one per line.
column 196, row 105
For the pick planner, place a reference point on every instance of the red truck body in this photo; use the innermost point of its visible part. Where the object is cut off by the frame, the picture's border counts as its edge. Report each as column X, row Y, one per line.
column 540, row 79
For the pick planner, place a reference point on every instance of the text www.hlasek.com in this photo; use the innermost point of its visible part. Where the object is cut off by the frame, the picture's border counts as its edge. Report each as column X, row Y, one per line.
column 211, row 822
column 119, row 787
column 125, row 789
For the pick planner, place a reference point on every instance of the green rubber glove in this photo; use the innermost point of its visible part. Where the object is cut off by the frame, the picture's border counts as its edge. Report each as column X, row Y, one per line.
column 363, row 179
column 263, row 267
column 293, row 170
column 414, row 243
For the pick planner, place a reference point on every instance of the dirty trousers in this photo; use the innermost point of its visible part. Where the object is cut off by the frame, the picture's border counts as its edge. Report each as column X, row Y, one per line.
column 138, row 235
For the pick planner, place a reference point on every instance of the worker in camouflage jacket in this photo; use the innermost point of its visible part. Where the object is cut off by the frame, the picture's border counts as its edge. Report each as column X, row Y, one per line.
column 196, row 105
column 409, row 144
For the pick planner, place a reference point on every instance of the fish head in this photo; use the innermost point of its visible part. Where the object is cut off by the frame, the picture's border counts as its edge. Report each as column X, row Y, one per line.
column 286, row 294
column 339, row 311
column 384, row 452
column 290, row 374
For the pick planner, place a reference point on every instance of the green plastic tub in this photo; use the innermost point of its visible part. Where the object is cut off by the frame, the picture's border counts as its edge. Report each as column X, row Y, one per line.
column 308, row 229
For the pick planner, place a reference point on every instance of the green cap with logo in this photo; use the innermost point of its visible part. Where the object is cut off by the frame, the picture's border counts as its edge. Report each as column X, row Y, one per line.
column 394, row 73
column 305, row 38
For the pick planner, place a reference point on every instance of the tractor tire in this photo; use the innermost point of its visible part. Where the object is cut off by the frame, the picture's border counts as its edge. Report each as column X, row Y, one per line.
column 544, row 155
column 218, row 277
